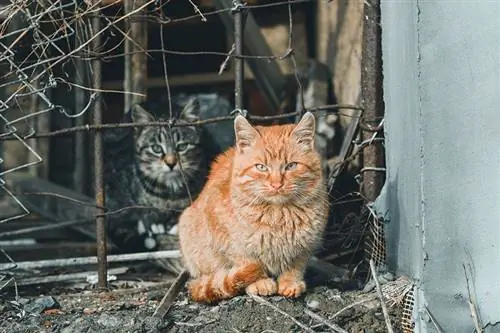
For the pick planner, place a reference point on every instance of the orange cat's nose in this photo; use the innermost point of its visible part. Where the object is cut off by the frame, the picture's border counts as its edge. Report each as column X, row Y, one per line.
column 276, row 185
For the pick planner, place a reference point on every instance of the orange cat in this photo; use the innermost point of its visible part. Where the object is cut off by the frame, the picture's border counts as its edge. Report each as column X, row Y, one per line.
column 260, row 215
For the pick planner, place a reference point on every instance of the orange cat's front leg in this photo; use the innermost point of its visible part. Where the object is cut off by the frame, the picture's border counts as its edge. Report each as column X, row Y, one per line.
column 262, row 287
column 291, row 282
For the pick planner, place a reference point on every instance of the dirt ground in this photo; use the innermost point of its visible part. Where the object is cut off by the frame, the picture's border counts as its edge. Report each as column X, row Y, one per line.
column 130, row 310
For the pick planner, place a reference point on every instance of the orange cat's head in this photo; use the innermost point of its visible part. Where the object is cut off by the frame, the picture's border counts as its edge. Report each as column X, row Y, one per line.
column 276, row 164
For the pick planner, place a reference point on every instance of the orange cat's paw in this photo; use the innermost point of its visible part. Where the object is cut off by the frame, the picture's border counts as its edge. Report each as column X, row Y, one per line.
column 291, row 288
column 263, row 287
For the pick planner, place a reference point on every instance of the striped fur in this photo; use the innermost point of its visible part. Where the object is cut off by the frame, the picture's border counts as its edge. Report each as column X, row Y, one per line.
column 162, row 168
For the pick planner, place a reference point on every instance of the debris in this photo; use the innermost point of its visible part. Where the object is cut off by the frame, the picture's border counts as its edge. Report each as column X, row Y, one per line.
column 107, row 320
column 51, row 312
column 74, row 277
column 93, row 279
column 26, row 265
column 334, row 327
column 171, row 294
column 312, row 302
column 41, row 304
column 267, row 303
column 89, row 311
column 381, row 297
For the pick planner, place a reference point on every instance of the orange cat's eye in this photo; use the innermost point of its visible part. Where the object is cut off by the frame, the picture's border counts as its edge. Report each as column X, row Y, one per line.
column 261, row 167
column 290, row 166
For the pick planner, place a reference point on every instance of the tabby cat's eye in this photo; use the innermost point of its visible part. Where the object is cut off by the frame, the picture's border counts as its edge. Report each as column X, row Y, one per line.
column 157, row 149
column 261, row 167
column 290, row 166
column 182, row 146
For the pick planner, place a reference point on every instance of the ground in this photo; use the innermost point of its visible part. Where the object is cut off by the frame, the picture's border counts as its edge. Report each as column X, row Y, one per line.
column 130, row 310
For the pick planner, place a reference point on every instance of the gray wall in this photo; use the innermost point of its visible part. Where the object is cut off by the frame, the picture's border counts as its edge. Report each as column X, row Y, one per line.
column 442, row 95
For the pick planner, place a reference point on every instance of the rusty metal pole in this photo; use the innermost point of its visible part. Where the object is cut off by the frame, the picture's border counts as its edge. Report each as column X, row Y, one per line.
column 239, row 63
column 373, row 171
column 81, row 161
column 136, row 61
column 98, row 162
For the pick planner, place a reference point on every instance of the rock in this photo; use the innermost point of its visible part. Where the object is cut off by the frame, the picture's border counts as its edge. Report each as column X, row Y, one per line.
column 42, row 304
column 107, row 320
column 88, row 311
column 312, row 302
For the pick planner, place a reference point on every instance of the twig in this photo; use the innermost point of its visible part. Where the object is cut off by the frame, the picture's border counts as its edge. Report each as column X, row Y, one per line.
column 171, row 294
column 436, row 325
column 316, row 316
column 261, row 300
column 90, row 260
column 364, row 300
column 67, row 277
column 472, row 304
column 146, row 286
column 381, row 296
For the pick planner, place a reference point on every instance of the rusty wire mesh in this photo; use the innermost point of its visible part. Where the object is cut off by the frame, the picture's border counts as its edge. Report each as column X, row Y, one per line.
column 40, row 41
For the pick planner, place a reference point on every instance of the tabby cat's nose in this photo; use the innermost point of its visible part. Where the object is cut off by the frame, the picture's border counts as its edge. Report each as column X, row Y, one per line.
column 170, row 160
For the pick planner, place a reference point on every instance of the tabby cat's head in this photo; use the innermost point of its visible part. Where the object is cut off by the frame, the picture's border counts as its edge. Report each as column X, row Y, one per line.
column 277, row 164
column 163, row 151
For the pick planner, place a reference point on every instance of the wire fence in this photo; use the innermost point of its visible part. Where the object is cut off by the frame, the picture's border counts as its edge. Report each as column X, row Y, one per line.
column 60, row 46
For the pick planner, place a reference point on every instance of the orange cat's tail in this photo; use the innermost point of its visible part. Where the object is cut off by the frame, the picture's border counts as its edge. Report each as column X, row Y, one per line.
column 224, row 284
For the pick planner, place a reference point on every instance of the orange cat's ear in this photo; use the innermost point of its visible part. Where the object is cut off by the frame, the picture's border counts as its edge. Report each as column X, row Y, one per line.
column 303, row 133
column 245, row 134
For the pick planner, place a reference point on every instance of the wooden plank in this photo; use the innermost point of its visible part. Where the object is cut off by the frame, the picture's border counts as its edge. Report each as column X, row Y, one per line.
column 179, row 81
column 338, row 44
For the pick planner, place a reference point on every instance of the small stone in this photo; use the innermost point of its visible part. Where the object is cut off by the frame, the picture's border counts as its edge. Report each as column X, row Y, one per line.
column 89, row 311
column 215, row 309
column 313, row 304
column 109, row 321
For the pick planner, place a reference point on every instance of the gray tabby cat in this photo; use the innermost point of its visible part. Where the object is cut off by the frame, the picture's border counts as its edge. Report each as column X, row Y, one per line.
column 159, row 168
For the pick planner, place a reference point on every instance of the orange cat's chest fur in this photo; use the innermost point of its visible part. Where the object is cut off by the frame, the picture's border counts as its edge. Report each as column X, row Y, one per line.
column 278, row 235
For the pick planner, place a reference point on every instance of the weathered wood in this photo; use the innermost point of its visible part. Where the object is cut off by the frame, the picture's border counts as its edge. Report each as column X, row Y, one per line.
column 338, row 44
column 373, row 102
column 136, row 61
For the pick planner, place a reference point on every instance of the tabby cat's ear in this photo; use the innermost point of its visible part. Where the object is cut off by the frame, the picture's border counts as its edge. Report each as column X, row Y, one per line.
column 191, row 110
column 246, row 135
column 140, row 115
column 303, row 134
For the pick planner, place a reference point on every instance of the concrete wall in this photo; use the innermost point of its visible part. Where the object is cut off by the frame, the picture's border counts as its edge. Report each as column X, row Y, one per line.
column 442, row 97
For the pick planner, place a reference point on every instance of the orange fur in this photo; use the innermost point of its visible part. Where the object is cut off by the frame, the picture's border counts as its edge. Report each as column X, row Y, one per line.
column 260, row 215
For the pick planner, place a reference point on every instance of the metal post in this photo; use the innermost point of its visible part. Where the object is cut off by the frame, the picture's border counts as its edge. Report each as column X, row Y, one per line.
column 98, row 164
column 33, row 123
column 136, row 61
column 79, row 174
column 239, row 63
column 373, row 103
